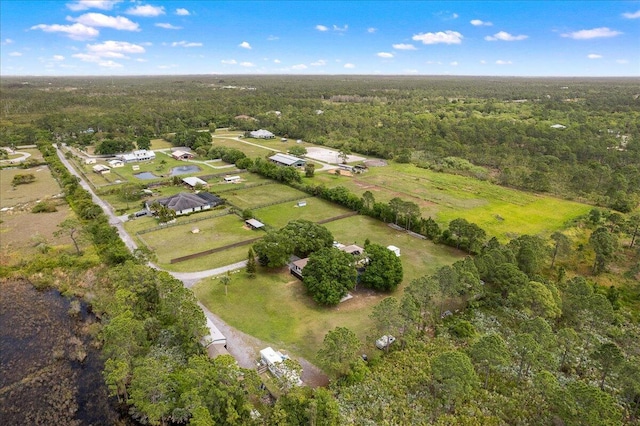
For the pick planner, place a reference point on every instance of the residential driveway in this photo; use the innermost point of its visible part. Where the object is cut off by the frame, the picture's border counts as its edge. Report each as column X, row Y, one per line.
column 244, row 348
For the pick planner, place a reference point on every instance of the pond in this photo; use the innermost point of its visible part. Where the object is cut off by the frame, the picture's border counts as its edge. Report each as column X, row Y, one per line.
column 183, row 170
column 146, row 175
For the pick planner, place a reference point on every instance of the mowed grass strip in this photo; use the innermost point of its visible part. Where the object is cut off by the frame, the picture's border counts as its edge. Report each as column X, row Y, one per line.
column 316, row 210
column 180, row 240
column 250, row 150
column 43, row 187
column 258, row 196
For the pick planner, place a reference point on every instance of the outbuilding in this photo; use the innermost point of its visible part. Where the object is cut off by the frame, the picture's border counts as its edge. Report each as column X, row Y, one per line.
column 394, row 249
column 232, row 179
column 287, row 160
column 254, row 224
column 101, row 169
column 193, row 182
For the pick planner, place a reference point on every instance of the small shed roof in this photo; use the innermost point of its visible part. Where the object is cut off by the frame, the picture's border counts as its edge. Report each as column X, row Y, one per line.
column 193, row 181
column 352, row 249
column 254, row 223
column 271, row 356
column 100, row 168
column 301, row 263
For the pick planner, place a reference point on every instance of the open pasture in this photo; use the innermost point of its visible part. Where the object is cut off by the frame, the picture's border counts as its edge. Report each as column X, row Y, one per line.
column 274, row 306
column 250, row 198
column 316, row 210
column 250, row 149
column 44, row 186
column 501, row 211
column 180, row 240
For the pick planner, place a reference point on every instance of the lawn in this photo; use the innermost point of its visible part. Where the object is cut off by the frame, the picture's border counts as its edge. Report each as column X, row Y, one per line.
column 43, row 187
column 250, row 198
column 177, row 241
column 502, row 212
column 316, row 210
column 250, row 150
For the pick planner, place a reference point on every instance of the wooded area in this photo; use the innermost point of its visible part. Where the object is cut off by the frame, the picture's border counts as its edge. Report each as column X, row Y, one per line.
column 520, row 333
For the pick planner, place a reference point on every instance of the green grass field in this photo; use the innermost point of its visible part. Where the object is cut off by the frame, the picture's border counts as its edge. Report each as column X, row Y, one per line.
column 316, row 210
column 254, row 197
column 250, row 150
column 275, row 308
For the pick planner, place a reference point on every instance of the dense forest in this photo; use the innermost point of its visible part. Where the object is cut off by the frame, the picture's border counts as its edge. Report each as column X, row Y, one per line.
column 503, row 337
column 577, row 138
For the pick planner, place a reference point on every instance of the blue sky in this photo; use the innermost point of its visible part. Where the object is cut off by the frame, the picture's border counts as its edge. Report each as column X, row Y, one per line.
column 502, row 38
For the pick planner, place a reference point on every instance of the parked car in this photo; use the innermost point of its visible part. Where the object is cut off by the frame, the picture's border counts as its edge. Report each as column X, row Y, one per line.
column 385, row 341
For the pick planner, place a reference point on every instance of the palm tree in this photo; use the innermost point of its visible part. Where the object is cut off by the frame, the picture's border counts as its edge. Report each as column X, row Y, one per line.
column 225, row 280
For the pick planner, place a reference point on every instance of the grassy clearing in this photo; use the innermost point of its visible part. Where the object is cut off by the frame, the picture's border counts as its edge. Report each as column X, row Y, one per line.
column 275, row 308
column 316, row 209
column 213, row 233
column 43, row 187
column 254, row 197
column 250, row 151
column 219, row 185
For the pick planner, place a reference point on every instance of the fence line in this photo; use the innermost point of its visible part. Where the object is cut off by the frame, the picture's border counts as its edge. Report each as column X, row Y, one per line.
column 184, row 222
column 215, row 250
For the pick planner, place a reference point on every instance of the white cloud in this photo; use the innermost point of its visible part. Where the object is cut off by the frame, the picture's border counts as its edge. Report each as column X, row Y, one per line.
column 15, row 54
column 245, row 45
column 92, row 4
column 482, row 61
column 141, row 60
column 454, row 63
column 594, row 56
column 58, row 58
column 501, row 62
column 299, row 67
column 446, row 37
column 166, row 67
column 109, row 64
column 277, row 61
column 229, row 61
column 385, row 54
column 371, row 30
column 247, row 64
column 631, row 15
column 594, row 33
column 273, row 38
column 146, row 10
column 319, row 63
column 480, row 23
column 505, row 36
column 350, row 66
column 340, row 29
column 182, row 12
column 455, row 16
column 321, row 28
column 114, row 48
column 185, row 44
column 75, row 31
column 622, row 61
column 404, row 46
column 101, row 20
column 167, row 26
column 7, row 41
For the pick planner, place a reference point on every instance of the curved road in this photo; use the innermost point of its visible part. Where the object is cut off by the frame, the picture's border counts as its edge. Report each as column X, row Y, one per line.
column 243, row 347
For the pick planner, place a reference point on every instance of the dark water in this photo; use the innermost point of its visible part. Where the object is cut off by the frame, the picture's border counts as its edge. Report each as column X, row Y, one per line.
column 50, row 374
column 183, row 170
column 146, row 175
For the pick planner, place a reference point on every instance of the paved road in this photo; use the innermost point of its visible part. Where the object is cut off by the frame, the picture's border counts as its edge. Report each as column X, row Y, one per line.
column 243, row 347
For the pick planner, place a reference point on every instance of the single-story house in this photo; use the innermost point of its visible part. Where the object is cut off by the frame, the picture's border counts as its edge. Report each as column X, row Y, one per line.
column 352, row 249
column 194, row 181
column 232, row 179
column 90, row 161
column 287, row 160
column 101, row 169
column 182, row 155
column 115, row 163
column 254, row 224
column 138, row 155
column 186, row 202
column 395, row 250
column 297, row 267
column 262, row 134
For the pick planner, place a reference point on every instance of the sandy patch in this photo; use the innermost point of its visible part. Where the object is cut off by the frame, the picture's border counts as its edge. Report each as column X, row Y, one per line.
column 327, row 155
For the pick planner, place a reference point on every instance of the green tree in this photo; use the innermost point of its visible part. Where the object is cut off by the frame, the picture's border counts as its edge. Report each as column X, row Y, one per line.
column 274, row 250
column 386, row 318
column 339, row 350
column 143, row 142
column 329, row 275
column 23, row 179
column 568, row 340
column 490, row 353
column 604, row 244
column 610, row 357
column 251, row 263
column 74, row 230
column 306, row 236
column 454, row 379
column 309, row 169
column 225, row 280
column 298, row 150
column 383, row 271
column 633, row 227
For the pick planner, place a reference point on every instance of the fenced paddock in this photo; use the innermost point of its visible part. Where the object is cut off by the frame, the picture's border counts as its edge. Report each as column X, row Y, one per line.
column 255, row 197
